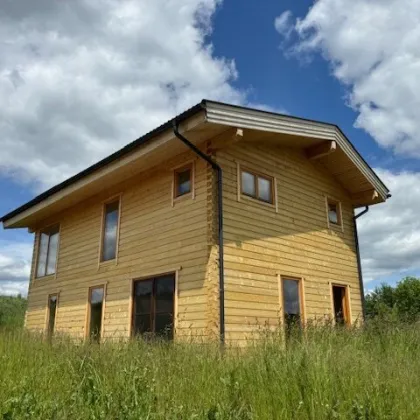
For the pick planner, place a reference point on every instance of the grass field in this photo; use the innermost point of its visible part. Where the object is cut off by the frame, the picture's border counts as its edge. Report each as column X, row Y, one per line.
column 358, row 374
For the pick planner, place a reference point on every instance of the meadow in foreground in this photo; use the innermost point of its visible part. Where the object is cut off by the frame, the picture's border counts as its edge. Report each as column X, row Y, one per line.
column 369, row 373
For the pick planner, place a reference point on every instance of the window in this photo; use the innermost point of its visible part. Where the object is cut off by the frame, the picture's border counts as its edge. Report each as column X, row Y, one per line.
column 47, row 251
column 340, row 305
column 183, row 181
column 110, row 231
column 292, row 306
column 334, row 212
column 52, row 310
column 257, row 186
column 153, row 306
column 96, row 301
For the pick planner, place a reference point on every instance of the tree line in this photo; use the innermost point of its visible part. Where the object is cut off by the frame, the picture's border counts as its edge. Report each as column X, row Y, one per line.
column 401, row 302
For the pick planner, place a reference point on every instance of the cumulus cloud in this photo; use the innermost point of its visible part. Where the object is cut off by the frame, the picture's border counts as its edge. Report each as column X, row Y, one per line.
column 15, row 266
column 80, row 79
column 390, row 233
column 373, row 48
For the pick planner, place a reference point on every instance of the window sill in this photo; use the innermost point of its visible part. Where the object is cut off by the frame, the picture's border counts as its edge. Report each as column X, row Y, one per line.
column 335, row 228
column 47, row 277
column 108, row 262
column 182, row 197
column 255, row 200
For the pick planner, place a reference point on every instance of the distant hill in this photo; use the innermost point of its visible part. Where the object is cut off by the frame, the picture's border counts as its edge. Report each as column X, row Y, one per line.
column 12, row 311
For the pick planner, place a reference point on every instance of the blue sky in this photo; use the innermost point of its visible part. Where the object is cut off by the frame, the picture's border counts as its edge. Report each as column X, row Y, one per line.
column 72, row 98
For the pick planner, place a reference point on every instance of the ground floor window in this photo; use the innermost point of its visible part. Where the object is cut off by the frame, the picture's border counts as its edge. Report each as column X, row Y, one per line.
column 292, row 303
column 96, row 303
column 52, row 310
column 340, row 304
column 153, row 306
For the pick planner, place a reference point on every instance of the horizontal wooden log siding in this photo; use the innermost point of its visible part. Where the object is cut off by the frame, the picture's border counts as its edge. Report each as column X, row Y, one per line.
column 261, row 243
column 154, row 237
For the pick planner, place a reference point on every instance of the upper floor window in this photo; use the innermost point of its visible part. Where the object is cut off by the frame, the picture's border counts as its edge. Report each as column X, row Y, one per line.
column 183, row 181
column 334, row 212
column 47, row 251
column 257, row 186
column 110, row 230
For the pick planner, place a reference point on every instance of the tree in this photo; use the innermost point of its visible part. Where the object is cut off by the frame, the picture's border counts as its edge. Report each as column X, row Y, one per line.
column 402, row 300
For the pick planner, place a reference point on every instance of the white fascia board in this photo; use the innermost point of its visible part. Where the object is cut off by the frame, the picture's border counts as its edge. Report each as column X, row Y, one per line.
column 239, row 117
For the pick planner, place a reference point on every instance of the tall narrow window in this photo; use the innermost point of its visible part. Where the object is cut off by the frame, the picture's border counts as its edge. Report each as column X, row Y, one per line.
column 47, row 251
column 153, row 309
column 183, row 181
column 257, row 186
column 52, row 310
column 334, row 212
column 291, row 303
column 96, row 301
column 110, row 231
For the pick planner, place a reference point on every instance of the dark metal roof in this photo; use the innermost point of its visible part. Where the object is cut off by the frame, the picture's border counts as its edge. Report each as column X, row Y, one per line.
column 144, row 139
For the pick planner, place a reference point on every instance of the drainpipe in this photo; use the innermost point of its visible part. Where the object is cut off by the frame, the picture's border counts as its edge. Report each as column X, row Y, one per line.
column 219, row 173
column 359, row 265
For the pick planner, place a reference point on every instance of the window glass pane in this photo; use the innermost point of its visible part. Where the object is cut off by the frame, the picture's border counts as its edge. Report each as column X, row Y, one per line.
column 291, row 297
column 52, row 253
column 164, row 326
column 183, row 182
column 142, row 324
column 264, row 189
column 110, row 231
column 96, row 304
column 143, row 297
column 333, row 213
column 165, row 294
column 42, row 255
column 52, row 303
column 248, row 184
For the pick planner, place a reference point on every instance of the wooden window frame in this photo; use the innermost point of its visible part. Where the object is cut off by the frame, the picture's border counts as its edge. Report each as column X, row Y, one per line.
column 257, row 175
column 178, row 169
column 38, row 249
column 47, row 318
column 88, row 309
column 347, row 301
column 110, row 200
column 302, row 306
column 174, row 272
column 339, row 225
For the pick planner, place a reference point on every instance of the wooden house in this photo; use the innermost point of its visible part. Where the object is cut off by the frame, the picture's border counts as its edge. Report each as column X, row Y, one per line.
column 222, row 220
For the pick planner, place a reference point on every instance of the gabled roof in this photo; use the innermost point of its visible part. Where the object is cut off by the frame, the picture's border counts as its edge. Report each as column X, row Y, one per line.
column 228, row 115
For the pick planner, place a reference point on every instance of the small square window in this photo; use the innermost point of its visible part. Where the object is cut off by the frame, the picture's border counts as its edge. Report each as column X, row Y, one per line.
column 334, row 213
column 257, row 186
column 183, row 181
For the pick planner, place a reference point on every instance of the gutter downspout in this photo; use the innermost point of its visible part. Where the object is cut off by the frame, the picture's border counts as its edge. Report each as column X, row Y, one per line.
column 219, row 172
column 359, row 265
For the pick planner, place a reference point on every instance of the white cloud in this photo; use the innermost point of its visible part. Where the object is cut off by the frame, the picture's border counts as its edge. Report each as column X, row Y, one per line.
column 284, row 24
column 79, row 80
column 390, row 233
column 15, row 267
column 373, row 48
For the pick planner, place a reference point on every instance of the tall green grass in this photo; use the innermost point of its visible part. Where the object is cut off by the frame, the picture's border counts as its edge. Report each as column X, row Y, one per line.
column 369, row 373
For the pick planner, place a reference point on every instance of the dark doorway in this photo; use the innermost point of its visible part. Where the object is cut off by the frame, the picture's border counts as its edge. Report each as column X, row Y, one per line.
column 153, row 307
column 340, row 302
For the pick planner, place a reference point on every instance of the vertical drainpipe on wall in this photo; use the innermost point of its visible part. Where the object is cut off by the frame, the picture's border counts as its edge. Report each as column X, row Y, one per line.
column 359, row 265
column 219, row 172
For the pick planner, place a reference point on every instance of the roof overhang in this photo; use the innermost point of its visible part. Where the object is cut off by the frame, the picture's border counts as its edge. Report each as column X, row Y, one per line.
column 346, row 164
column 200, row 123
